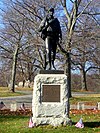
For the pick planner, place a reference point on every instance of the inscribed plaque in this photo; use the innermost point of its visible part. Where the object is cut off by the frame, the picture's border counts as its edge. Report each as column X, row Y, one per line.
column 51, row 93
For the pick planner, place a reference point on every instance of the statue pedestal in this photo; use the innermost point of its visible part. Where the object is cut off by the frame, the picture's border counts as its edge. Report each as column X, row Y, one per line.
column 50, row 103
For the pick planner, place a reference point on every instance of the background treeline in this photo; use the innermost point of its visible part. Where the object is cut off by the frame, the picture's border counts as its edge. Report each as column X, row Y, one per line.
column 22, row 49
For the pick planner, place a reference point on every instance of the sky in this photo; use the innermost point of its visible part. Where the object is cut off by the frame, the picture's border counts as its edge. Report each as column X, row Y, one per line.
column 1, row 7
column 69, row 3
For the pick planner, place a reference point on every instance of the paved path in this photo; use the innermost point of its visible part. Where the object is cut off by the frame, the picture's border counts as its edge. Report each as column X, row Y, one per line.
column 85, row 93
column 27, row 99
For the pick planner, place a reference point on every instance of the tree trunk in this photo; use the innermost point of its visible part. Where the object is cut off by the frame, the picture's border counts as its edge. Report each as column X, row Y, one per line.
column 30, row 69
column 68, row 64
column 69, row 74
column 12, row 87
column 83, row 81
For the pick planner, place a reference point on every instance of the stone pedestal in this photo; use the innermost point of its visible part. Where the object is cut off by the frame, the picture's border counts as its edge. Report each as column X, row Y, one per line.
column 50, row 104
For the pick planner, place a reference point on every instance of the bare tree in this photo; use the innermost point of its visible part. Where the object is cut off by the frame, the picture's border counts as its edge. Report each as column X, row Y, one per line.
column 72, row 14
column 12, row 36
column 32, row 12
column 85, row 48
column 20, row 37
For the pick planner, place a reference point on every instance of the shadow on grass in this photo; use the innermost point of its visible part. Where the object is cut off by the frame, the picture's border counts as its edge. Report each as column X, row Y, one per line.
column 90, row 124
column 11, row 118
column 16, row 118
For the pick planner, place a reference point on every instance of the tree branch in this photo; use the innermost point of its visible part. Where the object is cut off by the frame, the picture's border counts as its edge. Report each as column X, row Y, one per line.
column 92, row 67
column 97, row 13
column 84, row 8
column 3, row 47
column 65, row 9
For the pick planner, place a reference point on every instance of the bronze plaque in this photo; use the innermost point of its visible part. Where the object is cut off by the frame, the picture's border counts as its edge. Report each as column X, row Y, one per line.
column 51, row 93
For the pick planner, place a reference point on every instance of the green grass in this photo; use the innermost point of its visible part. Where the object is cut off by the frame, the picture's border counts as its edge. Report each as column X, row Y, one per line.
column 24, row 89
column 19, row 124
column 8, row 94
column 89, row 99
column 4, row 91
column 16, row 89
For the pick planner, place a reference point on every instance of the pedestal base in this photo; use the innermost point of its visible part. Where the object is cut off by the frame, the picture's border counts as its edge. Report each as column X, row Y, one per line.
column 50, row 104
column 51, row 121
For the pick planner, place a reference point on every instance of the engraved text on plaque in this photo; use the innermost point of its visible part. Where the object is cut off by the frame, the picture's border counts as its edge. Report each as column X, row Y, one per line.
column 51, row 93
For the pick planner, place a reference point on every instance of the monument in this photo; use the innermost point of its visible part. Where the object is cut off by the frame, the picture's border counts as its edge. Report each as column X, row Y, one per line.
column 50, row 103
column 51, row 33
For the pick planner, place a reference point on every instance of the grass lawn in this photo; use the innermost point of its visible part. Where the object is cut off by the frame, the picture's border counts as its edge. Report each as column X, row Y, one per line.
column 19, row 124
column 9, row 94
column 4, row 91
column 91, row 100
column 12, row 123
